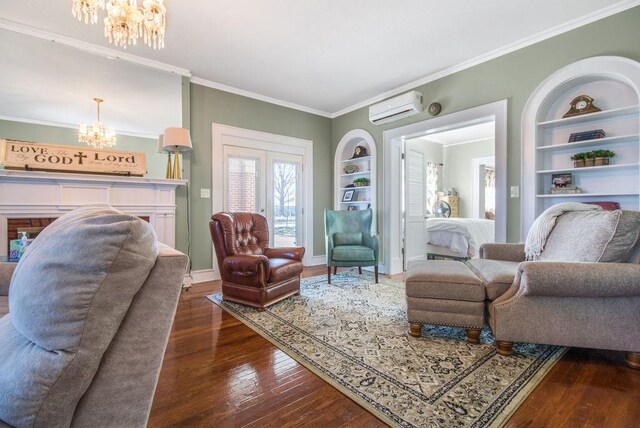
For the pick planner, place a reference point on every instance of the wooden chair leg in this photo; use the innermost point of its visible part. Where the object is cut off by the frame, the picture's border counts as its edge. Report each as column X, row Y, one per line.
column 329, row 274
column 335, row 270
column 473, row 335
column 375, row 270
column 504, row 348
column 415, row 329
column 360, row 270
column 632, row 359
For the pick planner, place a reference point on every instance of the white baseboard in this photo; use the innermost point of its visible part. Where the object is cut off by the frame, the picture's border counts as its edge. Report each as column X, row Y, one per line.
column 316, row 260
column 204, row 275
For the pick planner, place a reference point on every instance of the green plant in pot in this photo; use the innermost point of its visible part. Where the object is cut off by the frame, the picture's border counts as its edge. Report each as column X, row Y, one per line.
column 589, row 159
column 601, row 157
column 578, row 159
column 361, row 182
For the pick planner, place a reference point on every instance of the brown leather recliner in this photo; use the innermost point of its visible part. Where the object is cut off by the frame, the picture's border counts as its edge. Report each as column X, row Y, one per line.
column 252, row 273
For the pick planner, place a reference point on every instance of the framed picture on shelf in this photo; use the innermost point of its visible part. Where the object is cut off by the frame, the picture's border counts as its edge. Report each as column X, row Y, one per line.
column 560, row 181
column 348, row 195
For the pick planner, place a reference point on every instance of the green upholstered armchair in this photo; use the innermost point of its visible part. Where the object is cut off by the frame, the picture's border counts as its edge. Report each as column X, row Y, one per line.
column 349, row 240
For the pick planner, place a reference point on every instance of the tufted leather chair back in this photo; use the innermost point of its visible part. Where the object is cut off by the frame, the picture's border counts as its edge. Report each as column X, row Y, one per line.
column 238, row 234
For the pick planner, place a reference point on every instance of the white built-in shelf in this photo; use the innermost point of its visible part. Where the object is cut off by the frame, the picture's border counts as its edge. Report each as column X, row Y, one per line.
column 356, row 202
column 357, row 159
column 356, row 188
column 356, row 173
column 605, row 114
column 589, row 143
column 586, row 195
column 589, row 168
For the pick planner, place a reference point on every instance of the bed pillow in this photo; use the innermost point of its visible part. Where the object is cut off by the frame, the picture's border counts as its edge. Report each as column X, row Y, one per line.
column 592, row 236
column 68, row 296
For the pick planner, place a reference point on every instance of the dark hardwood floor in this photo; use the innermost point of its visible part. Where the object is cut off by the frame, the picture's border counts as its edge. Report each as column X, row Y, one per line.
column 219, row 372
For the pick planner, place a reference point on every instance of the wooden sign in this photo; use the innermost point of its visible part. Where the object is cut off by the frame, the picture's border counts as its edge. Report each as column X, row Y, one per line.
column 61, row 158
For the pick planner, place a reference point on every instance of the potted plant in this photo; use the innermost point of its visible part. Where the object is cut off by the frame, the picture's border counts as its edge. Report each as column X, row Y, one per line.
column 578, row 160
column 589, row 159
column 602, row 157
column 361, row 182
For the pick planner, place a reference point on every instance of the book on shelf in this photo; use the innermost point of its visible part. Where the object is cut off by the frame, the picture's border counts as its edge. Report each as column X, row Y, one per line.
column 586, row 135
column 569, row 190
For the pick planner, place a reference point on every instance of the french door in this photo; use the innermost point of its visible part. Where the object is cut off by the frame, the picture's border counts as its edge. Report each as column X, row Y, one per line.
column 268, row 183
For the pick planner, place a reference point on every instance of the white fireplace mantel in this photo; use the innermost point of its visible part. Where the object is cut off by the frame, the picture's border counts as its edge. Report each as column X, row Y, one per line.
column 29, row 194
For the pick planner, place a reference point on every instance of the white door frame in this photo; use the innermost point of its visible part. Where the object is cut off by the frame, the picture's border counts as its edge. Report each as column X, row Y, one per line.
column 392, row 154
column 270, row 142
column 476, row 212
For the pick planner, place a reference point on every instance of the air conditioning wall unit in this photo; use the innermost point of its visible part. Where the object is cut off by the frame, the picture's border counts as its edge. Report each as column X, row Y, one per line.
column 396, row 108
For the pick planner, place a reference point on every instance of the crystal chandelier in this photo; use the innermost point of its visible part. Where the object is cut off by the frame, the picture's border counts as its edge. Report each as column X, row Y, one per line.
column 97, row 135
column 126, row 21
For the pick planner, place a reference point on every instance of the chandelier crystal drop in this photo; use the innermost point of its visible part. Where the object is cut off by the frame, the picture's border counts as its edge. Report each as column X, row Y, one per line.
column 87, row 9
column 97, row 135
column 126, row 21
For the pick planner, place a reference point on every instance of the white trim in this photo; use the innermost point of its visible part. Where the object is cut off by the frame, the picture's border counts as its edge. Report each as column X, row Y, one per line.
column 475, row 198
column 248, row 94
column 73, row 126
column 90, row 47
column 522, row 43
column 199, row 276
column 317, row 260
column 393, row 143
column 264, row 141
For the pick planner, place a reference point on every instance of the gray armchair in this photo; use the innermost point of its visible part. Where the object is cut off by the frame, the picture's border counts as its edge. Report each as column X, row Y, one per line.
column 349, row 241
column 91, row 305
column 588, row 304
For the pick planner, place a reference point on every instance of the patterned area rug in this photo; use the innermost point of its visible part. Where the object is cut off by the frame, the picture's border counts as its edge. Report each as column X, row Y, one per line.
column 353, row 334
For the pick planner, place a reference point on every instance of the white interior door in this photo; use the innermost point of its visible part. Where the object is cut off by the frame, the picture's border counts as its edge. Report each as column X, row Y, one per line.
column 268, row 183
column 415, row 208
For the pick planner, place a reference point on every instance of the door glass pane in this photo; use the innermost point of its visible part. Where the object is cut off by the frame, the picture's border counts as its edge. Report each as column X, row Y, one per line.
column 242, row 184
column 285, row 203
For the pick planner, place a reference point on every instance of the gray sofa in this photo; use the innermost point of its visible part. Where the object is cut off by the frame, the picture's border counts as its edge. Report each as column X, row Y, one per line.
column 91, row 305
column 583, row 291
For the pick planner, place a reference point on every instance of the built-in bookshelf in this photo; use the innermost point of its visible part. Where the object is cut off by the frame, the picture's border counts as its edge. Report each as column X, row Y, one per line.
column 355, row 172
column 613, row 83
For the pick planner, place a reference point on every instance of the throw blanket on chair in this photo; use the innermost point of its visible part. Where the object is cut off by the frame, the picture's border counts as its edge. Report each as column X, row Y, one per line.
column 542, row 226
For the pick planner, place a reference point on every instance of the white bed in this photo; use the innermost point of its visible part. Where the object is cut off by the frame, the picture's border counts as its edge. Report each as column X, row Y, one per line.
column 463, row 236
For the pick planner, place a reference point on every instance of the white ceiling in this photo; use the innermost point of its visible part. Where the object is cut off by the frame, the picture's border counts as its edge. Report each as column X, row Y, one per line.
column 328, row 56
column 467, row 134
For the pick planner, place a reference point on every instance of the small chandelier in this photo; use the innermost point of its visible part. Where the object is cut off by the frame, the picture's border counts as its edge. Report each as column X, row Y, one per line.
column 125, row 21
column 97, row 135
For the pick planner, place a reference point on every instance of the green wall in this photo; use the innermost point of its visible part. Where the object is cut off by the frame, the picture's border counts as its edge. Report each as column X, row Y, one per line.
column 514, row 77
column 458, row 170
column 156, row 162
column 211, row 105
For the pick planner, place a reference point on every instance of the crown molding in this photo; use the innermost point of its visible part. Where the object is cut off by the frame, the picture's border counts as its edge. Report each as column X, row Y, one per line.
column 90, row 47
column 248, row 94
column 73, row 126
column 522, row 43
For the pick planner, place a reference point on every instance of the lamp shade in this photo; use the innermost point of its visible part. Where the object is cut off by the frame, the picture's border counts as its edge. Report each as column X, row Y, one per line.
column 176, row 139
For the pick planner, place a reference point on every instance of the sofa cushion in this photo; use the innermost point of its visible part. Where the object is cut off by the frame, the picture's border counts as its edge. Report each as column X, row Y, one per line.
column 592, row 236
column 497, row 275
column 352, row 253
column 69, row 294
column 354, row 238
column 443, row 279
column 282, row 269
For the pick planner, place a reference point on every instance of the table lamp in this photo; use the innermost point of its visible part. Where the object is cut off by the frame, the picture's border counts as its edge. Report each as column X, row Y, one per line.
column 176, row 140
column 161, row 149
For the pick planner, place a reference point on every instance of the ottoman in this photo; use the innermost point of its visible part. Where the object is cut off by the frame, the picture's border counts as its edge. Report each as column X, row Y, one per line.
column 444, row 292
